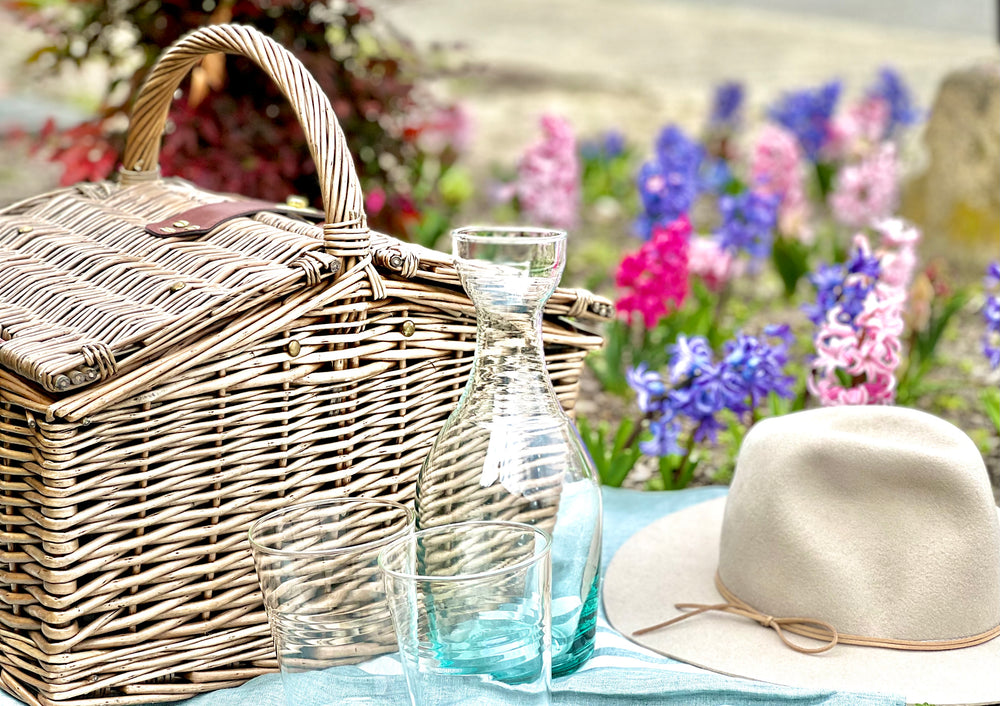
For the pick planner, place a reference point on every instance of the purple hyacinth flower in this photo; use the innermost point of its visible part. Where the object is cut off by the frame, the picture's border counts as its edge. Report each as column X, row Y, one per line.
column 748, row 222
column 648, row 386
column 677, row 152
column 700, row 400
column 690, row 357
column 991, row 315
column 613, row 144
column 758, row 368
column 707, row 431
column 828, row 281
column 992, row 278
column 783, row 332
column 668, row 183
column 609, row 145
column 727, row 104
column 666, row 195
column 864, row 264
column 890, row 87
column 806, row 114
column 664, row 441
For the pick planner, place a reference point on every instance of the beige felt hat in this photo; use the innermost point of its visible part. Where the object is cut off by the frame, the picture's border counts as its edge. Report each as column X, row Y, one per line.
column 867, row 536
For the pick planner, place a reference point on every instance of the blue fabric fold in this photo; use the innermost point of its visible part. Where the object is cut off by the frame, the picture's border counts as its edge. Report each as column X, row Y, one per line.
column 620, row 673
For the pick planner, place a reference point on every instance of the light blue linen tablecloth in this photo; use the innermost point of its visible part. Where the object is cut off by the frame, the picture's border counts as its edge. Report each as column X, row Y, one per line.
column 620, row 673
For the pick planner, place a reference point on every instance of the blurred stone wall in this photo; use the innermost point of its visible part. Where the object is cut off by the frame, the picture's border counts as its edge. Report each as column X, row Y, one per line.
column 957, row 199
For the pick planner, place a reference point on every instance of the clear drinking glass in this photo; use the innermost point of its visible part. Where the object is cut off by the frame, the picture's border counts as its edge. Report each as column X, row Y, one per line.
column 470, row 602
column 317, row 564
column 509, row 451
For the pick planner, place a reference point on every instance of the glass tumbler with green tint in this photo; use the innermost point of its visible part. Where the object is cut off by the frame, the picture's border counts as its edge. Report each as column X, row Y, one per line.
column 470, row 603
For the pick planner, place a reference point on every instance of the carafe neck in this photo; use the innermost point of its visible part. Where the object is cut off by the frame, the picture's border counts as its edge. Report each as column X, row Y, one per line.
column 509, row 374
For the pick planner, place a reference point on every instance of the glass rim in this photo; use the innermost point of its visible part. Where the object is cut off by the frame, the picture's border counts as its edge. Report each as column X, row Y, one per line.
column 488, row 573
column 332, row 502
column 508, row 234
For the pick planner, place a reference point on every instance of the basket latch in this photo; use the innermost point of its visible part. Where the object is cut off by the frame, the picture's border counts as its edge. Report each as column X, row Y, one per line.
column 201, row 219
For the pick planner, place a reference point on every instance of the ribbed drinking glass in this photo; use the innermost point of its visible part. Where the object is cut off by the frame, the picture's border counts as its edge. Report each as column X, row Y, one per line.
column 317, row 564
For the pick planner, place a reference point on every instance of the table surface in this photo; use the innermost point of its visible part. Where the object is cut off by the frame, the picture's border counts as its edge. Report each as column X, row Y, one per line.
column 619, row 673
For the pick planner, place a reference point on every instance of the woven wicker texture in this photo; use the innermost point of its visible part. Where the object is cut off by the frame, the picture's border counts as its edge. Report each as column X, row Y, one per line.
column 158, row 394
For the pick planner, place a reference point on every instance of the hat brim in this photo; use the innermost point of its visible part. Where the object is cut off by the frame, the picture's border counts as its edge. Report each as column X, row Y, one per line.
column 674, row 560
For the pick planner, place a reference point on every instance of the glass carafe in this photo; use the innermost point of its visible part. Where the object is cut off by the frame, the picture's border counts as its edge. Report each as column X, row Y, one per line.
column 509, row 451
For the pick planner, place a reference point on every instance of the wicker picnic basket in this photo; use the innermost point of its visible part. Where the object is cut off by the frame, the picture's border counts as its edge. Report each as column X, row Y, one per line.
column 175, row 363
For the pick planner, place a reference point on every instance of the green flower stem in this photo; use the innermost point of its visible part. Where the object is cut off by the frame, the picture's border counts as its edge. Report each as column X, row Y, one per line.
column 685, row 459
column 637, row 431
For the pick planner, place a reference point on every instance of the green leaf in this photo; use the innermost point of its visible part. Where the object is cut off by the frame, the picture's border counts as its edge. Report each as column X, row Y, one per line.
column 608, row 364
column 613, row 463
column 923, row 348
column 826, row 172
column 431, row 227
column 991, row 401
column 791, row 260
column 672, row 475
column 625, row 452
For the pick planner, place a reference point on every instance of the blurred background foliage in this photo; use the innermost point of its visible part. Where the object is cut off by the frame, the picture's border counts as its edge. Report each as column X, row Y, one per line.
column 232, row 130
column 763, row 260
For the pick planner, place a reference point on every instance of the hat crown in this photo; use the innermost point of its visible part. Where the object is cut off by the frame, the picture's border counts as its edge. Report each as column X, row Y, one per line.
column 878, row 520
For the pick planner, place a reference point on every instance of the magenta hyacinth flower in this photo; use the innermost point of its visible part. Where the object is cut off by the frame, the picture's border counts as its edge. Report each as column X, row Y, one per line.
column 655, row 278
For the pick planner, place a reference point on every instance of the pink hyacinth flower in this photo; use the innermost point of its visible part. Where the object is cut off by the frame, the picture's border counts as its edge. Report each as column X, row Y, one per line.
column 710, row 262
column 548, row 176
column 856, row 131
column 868, row 191
column 776, row 161
column 896, row 233
column 897, row 253
column 869, row 352
column 832, row 394
column 777, row 168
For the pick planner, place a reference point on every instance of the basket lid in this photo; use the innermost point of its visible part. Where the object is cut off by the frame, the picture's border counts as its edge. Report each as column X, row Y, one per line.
column 86, row 290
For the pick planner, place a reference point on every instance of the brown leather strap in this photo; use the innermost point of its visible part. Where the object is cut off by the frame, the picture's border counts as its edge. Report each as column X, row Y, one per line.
column 202, row 219
column 811, row 628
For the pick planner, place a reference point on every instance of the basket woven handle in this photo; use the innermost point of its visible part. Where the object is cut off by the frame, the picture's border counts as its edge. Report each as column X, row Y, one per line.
column 345, row 230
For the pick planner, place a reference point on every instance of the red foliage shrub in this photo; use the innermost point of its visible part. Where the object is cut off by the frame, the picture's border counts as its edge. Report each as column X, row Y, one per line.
column 233, row 130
